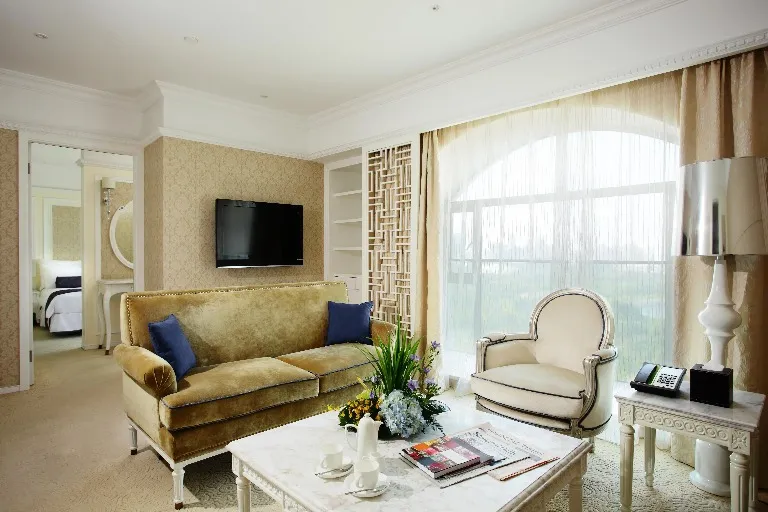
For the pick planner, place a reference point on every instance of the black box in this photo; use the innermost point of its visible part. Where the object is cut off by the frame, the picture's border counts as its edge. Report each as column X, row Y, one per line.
column 711, row 387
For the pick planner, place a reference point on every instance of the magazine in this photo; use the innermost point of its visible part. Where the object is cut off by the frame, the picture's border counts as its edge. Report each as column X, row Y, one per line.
column 503, row 449
column 445, row 455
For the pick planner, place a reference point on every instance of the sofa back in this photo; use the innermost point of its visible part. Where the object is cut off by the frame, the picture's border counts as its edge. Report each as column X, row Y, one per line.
column 231, row 324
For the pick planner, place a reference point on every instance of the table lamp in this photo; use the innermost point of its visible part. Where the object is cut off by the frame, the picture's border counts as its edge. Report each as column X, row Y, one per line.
column 720, row 210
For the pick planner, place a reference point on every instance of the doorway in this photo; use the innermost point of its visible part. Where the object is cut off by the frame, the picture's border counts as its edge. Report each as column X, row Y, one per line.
column 80, row 232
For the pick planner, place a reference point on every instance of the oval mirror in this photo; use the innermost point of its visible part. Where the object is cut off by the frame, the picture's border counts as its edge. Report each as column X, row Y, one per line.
column 121, row 234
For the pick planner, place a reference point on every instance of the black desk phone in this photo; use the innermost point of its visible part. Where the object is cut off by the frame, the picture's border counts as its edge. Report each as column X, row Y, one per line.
column 658, row 379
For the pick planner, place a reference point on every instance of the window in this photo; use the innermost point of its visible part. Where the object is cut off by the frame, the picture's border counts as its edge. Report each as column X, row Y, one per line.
column 589, row 209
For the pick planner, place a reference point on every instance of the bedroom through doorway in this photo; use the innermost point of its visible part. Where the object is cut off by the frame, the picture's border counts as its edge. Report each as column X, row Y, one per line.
column 81, row 228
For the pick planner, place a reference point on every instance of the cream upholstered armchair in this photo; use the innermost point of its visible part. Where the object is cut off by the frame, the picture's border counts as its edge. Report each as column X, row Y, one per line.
column 560, row 374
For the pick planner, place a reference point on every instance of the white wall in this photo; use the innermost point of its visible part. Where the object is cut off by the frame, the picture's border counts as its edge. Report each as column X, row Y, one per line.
column 544, row 68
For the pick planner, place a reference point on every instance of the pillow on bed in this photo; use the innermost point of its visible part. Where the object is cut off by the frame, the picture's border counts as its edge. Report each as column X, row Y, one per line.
column 69, row 282
column 51, row 269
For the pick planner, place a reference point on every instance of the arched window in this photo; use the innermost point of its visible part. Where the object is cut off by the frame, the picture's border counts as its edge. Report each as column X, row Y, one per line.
column 576, row 196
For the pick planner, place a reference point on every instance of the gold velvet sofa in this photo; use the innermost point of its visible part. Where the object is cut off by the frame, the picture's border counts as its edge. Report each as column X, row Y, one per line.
column 261, row 362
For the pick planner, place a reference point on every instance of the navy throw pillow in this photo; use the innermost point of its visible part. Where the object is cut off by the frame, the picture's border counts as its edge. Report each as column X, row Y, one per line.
column 69, row 282
column 169, row 342
column 349, row 323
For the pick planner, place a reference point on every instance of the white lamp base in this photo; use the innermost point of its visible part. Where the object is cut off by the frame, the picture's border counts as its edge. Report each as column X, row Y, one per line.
column 712, row 473
column 719, row 318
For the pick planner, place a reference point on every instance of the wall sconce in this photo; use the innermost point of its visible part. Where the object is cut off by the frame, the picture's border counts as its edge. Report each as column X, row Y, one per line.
column 108, row 185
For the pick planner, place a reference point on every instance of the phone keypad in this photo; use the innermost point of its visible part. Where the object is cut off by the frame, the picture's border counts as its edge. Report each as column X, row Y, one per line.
column 667, row 378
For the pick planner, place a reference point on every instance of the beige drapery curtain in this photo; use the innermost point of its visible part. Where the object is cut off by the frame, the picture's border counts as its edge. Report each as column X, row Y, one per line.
column 427, row 299
column 724, row 113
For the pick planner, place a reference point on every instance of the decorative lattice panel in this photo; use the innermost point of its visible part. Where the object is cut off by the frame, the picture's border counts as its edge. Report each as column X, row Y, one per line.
column 389, row 233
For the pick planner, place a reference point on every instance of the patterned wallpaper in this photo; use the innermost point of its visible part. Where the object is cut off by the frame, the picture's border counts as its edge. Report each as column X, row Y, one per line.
column 193, row 176
column 9, row 258
column 66, row 233
column 111, row 268
column 153, row 216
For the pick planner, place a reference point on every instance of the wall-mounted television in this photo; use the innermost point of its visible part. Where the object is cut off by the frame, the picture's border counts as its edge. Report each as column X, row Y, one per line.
column 252, row 234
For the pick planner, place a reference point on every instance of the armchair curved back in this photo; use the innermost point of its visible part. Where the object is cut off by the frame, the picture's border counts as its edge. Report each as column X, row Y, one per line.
column 570, row 325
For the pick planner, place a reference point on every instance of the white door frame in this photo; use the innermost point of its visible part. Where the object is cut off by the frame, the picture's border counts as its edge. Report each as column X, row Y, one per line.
column 134, row 149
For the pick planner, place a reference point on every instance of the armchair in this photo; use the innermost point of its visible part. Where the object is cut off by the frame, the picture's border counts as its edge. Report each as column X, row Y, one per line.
column 560, row 374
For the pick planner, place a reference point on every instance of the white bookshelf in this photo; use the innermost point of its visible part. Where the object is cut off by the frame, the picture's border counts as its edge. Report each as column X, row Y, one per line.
column 344, row 225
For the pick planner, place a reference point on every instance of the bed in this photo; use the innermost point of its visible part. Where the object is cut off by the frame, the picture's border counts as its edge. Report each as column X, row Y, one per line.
column 59, row 299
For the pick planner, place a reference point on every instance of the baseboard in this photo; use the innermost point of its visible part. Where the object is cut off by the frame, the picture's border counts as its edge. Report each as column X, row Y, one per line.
column 9, row 389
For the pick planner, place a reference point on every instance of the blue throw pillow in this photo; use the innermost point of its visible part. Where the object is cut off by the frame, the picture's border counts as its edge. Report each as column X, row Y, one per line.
column 170, row 343
column 349, row 323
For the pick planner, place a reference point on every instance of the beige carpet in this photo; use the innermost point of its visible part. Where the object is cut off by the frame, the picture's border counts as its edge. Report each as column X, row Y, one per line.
column 64, row 447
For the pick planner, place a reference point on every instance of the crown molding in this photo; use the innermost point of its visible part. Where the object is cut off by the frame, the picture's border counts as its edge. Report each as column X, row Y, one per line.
column 615, row 13
column 218, row 141
column 671, row 63
column 72, row 92
column 105, row 160
column 36, row 130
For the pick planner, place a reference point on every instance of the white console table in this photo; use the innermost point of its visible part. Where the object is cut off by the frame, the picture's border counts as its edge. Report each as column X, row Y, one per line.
column 735, row 428
column 108, row 288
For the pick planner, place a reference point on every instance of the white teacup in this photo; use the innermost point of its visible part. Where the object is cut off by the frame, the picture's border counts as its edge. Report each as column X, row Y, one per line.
column 366, row 473
column 333, row 456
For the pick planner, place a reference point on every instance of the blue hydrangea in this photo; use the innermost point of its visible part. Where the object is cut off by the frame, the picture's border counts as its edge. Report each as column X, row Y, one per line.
column 402, row 414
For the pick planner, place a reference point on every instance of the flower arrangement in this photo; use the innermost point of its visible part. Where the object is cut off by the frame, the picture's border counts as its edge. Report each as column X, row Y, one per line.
column 399, row 393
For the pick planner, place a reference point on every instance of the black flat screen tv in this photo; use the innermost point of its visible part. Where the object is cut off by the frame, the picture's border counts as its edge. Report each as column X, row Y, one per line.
column 251, row 234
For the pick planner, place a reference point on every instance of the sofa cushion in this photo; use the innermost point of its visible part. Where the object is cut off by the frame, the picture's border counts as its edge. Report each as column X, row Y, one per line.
column 537, row 388
column 337, row 366
column 229, row 390
column 170, row 343
column 349, row 322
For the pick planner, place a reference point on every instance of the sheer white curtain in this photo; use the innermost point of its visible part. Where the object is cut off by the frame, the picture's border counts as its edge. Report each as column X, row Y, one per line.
column 575, row 193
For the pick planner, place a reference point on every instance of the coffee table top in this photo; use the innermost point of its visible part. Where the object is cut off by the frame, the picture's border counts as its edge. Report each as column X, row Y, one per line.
column 287, row 456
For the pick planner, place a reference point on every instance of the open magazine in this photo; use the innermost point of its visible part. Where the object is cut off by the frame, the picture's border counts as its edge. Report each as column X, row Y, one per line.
column 504, row 449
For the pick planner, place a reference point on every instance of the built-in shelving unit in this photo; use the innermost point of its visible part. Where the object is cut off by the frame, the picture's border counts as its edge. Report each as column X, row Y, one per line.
column 344, row 225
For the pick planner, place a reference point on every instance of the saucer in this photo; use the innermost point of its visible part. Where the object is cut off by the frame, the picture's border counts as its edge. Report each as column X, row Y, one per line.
column 382, row 485
column 337, row 473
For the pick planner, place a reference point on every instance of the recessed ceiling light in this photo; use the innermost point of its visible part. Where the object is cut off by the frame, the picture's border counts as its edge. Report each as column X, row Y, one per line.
column 191, row 39
column 40, row 35
column 436, row 7
column 264, row 96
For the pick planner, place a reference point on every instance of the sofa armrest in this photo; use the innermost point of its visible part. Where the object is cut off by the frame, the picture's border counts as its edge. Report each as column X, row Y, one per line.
column 381, row 330
column 498, row 349
column 600, row 374
column 149, row 370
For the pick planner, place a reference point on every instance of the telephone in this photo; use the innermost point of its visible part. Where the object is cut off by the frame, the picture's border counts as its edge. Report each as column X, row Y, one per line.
column 658, row 379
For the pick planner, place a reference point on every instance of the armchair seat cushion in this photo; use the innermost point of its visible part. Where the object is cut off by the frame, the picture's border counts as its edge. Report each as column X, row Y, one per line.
column 337, row 366
column 229, row 390
column 534, row 388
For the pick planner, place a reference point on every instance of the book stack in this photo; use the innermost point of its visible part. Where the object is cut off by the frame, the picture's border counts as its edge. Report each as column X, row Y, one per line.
column 483, row 449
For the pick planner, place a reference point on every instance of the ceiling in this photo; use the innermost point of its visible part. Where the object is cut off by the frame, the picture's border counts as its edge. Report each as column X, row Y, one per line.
column 304, row 55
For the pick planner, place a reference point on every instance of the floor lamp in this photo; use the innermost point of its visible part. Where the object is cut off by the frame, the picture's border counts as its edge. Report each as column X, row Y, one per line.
column 720, row 212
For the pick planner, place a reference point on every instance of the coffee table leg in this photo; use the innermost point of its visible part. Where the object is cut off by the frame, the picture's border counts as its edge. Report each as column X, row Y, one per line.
column 575, row 494
column 243, row 494
column 650, row 454
column 627, row 456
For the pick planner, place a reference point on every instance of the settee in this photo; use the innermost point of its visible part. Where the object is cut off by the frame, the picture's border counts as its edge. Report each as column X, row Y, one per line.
column 261, row 363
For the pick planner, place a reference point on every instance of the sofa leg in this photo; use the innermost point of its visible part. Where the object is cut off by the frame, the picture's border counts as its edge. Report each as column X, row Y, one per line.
column 134, row 441
column 178, row 486
column 592, row 444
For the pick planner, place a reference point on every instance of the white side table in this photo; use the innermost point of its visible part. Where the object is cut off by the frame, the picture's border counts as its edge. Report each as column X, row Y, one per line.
column 735, row 428
column 108, row 288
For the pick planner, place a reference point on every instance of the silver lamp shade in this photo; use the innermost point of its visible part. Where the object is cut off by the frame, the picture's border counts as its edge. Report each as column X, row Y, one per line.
column 720, row 208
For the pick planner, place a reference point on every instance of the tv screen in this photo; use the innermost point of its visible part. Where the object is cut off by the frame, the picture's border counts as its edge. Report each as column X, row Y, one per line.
column 251, row 234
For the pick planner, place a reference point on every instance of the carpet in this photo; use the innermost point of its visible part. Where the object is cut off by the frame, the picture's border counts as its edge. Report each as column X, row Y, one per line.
column 64, row 447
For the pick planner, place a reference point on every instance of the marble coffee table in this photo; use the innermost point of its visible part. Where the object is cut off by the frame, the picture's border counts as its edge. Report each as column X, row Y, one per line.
column 282, row 461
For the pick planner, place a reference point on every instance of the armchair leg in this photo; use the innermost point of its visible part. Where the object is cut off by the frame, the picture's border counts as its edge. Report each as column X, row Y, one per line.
column 134, row 440
column 592, row 444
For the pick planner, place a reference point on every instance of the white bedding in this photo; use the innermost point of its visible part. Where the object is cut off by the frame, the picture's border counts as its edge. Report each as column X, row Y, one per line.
column 64, row 313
